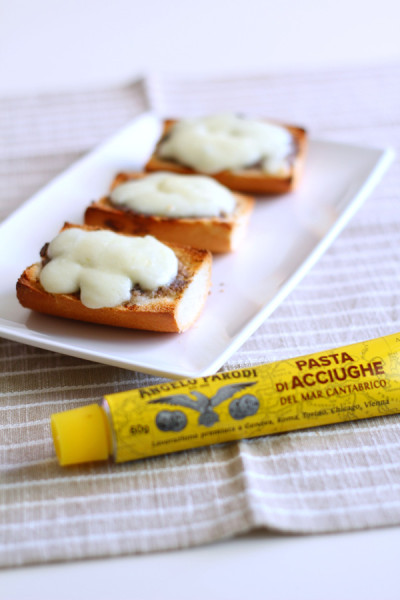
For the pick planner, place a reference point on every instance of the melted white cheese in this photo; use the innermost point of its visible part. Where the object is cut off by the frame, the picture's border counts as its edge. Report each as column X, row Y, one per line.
column 176, row 196
column 215, row 143
column 105, row 266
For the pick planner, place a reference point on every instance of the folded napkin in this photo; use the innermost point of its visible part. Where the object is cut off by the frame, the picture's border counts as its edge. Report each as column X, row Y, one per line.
column 332, row 478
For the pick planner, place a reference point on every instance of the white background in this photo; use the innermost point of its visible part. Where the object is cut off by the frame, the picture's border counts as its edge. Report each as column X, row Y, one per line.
column 56, row 45
column 52, row 45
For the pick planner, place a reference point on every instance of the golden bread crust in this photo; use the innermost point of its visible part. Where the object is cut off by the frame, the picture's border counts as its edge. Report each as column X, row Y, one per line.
column 162, row 311
column 251, row 180
column 216, row 234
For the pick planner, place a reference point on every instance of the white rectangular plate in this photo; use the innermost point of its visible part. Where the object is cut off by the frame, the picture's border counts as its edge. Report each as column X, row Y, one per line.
column 287, row 236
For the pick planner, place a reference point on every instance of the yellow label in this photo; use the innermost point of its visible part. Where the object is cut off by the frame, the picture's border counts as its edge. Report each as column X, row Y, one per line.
column 355, row 382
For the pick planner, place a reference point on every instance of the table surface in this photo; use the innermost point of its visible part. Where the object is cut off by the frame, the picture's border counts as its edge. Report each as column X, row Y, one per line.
column 358, row 565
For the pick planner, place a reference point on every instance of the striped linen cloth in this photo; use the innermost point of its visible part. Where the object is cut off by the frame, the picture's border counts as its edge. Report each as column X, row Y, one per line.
column 329, row 479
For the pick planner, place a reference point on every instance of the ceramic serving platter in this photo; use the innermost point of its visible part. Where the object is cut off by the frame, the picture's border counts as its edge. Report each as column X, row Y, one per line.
column 287, row 235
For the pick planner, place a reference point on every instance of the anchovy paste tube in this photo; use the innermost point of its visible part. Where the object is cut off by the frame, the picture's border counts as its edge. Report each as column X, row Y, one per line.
column 359, row 381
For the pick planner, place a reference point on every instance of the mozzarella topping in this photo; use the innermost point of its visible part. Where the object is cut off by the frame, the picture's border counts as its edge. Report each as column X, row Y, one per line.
column 215, row 143
column 175, row 196
column 105, row 266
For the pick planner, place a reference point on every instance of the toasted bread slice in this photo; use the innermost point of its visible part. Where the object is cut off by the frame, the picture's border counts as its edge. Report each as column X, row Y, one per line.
column 172, row 308
column 217, row 234
column 250, row 180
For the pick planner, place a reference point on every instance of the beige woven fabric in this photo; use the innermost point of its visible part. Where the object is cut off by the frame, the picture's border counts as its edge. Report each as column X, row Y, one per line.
column 329, row 479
